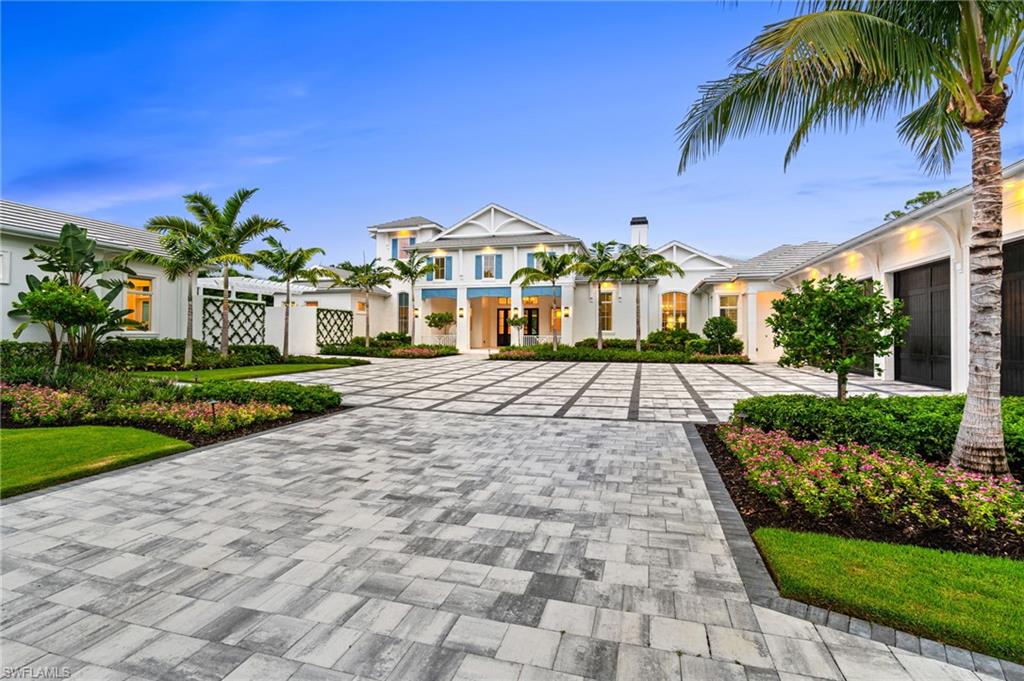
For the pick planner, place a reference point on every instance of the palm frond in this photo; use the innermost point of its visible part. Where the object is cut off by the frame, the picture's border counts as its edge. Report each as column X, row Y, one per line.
column 934, row 132
column 234, row 203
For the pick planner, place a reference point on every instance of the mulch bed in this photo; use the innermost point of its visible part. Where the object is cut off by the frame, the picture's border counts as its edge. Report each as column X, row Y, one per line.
column 760, row 511
column 195, row 439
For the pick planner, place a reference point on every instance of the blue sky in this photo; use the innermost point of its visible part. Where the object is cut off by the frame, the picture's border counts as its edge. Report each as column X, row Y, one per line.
column 346, row 115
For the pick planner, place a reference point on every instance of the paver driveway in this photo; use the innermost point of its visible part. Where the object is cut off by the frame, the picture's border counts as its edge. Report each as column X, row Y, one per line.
column 623, row 391
column 426, row 546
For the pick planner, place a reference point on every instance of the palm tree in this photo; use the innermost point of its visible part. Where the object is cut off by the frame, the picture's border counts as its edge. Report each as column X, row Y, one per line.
column 417, row 266
column 944, row 67
column 227, row 238
column 600, row 264
column 186, row 254
column 366, row 278
column 289, row 266
column 640, row 264
column 548, row 268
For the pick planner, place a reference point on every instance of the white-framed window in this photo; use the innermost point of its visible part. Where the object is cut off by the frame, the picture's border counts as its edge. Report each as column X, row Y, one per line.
column 605, row 310
column 728, row 306
column 403, row 311
column 139, row 299
column 488, row 265
column 673, row 310
column 439, row 271
column 5, row 267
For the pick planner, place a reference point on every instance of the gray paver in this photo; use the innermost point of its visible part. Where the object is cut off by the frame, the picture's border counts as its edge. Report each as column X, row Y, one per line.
column 414, row 543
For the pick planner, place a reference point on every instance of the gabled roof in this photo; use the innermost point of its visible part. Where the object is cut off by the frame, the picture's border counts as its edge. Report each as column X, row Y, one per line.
column 707, row 256
column 492, row 218
column 404, row 223
column 954, row 198
column 771, row 264
column 495, row 241
column 32, row 221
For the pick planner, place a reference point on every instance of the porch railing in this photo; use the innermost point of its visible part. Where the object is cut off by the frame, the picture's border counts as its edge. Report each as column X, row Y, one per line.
column 441, row 339
column 529, row 340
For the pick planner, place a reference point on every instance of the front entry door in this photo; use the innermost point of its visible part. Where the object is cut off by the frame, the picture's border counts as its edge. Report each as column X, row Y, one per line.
column 504, row 330
column 532, row 327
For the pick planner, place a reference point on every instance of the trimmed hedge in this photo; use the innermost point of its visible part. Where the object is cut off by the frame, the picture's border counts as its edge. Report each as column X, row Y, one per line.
column 926, row 425
column 399, row 351
column 169, row 353
column 665, row 340
column 313, row 399
column 577, row 354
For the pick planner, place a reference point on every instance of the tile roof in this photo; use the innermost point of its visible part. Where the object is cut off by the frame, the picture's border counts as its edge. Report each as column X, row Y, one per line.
column 34, row 221
column 771, row 264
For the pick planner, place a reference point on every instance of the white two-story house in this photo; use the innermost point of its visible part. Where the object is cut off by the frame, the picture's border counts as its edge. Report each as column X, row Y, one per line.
column 474, row 261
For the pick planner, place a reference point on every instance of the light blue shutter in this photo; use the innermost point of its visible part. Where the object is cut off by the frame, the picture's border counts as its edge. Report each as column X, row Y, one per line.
column 430, row 272
column 479, row 266
column 394, row 248
column 529, row 259
column 497, row 267
column 448, row 267
column 412, row 241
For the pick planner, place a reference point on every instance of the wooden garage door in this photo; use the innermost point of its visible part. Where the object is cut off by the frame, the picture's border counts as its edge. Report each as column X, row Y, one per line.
column 1013, row 319
column 924, row 356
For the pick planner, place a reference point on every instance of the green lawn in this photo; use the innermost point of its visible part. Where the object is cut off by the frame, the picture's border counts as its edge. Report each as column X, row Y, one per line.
column 238, row 373
column 31, row 458
column 976, row 602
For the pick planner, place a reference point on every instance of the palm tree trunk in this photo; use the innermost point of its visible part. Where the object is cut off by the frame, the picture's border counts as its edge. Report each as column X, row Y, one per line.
column 637, row 315
column 979, row 443
column 287, row 317
column 367, row 339
column 224, row 316
column 189, row 317
column 412, row 312
column 600, row 336
column 554, row 330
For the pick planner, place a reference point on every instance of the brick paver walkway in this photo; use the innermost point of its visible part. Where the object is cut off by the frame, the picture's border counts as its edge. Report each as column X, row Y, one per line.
column 417, row 546
column 696, row 393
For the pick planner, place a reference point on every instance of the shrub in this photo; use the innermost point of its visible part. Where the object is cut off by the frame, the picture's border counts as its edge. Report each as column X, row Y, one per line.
column 201, row 418
column 169, row 353
column 926, row 425
column 393, row 338
column 308, row 399
column 825, row 479
column 31, row 405
column 585, row 354
column 669, row 339
column 15, row 354
column 407, row 351
column 702, row 346
column 608, row 343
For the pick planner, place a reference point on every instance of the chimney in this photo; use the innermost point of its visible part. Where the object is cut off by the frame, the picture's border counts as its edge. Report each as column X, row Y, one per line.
column 638, row 231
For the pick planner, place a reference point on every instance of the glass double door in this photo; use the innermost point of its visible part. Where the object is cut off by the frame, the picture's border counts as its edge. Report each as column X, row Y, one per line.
column 504, row 331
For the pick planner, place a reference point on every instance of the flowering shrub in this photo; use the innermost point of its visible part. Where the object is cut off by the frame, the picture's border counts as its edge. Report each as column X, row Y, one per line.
column 415, row 352
column 202, row 418
column 38, row 406
column 823, row 478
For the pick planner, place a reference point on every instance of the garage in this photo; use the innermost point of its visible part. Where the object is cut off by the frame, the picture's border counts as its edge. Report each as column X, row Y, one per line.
column 924, row 356
column 1013, row 319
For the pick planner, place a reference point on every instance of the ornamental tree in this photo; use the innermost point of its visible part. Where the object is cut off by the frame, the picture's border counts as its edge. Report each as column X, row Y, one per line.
column 442, row 321
column 835, row 324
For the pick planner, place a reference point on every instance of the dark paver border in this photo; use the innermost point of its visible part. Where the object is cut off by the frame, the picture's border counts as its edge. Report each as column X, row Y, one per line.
column 761, row 588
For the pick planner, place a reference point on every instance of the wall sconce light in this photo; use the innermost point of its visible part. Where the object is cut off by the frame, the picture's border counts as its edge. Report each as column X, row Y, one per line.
column 416, row 312
column 566, row 311
column 462, row 312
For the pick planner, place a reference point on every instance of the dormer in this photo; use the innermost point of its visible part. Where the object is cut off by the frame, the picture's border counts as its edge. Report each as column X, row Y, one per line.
column 394, row 238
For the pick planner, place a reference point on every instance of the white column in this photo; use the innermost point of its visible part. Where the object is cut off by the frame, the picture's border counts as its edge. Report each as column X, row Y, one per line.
column 750, row 323
column 568, row 295
column 517, row 309
column 462, row 339
column 960, row 290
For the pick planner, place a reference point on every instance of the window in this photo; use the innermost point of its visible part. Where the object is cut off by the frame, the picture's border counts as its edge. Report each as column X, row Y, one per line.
column 488, row 266
column 140, row 302
column 5, row 267
column 361, row 306
column 403, row 311
column 605, row 311
column 556, row 320
column 245, row 295
column 400, row 246
column 439, row 271
column 673, row 310
column 728, row 306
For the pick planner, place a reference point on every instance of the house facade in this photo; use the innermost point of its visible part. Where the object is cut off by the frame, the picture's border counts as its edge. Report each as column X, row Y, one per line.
column 922, row 258
column 157, row 304
column 474, row 261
